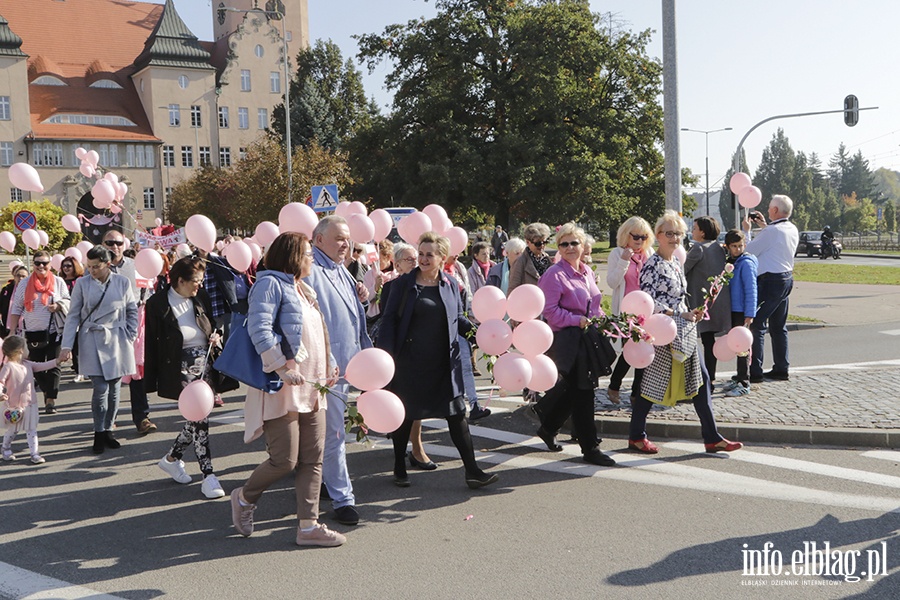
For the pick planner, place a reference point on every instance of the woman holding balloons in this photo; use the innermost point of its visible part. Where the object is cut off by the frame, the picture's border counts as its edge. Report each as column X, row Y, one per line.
column 571, row 299
column 677, row 371
column 289, row 333
column 179, row 333
column 421, row 326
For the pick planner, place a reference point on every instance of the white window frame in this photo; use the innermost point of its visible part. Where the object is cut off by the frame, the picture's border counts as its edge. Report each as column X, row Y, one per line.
column 113, row 155
column 149, row 198
column 150, row 157
column 6, row 154
column 225, row 156
column 187, row 157
column 243, row 117
column 174, row 115
column 275, row 82
column 129, row 155
column 168, row 156
column 16, row 195
column 5, row 109
column 204, row 155
column 262, row 118
column 246, row 86
column 196, row 117
column 223, row 117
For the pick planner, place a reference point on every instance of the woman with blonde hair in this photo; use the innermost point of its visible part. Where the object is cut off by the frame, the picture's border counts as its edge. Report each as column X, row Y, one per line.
column 634, row 245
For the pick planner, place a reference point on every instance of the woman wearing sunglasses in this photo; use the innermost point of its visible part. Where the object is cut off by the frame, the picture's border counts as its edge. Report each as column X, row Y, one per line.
column 535, row 261
column 634, row 245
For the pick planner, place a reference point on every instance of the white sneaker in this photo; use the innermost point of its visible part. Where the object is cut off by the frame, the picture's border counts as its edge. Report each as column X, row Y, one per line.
column 174, row 469
column 211, row 487
column 80, row 379
column 37, row 459
column 8, row 455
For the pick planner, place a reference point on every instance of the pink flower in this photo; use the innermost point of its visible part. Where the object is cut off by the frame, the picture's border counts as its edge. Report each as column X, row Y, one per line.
column 729, row 268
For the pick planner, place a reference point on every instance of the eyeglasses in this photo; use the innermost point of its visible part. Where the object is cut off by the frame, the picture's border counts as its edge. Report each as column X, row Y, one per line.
column 41, row 263
column 539, row 243
column 573, row 243
column 112, row 243
column 357, row 250
column 673, row 234
column 67, row 266
column 639, row 238
column 409, row 259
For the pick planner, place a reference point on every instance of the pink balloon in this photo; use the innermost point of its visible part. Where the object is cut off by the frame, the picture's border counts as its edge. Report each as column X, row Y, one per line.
column 111, row 177
column 637, row 303
column 84, row 246
column 121, row 190
column 370, row 369
column 196, row 401
column 80, row 153
column 297, row 217
column 266, row 232
column 31, row 239
column 255, row 250
column 86, row 169
column 681, row 254
column 638, row 354
column 357, row 208
column 201, row 232
column 56, row 261
column 738, row 182
column 115, row 209
column 14, row 264
column 532, row 338
column 722, row 351
column 512, row 371
column 148, row 263
column 411, row 227
column 104, row 193
column 25, row 177
column 494, row 336
column 381, row 410
column 182, row 250
column 92, row 157
column 127, row 244
column 740, row 339
column 45, row 239
column 383, row 223
column 342, row 209
column 459, row 239
column 750, row 197
column 157, row 221
column 662, row 328
column 488, row 303
column 526, row 302
column 240, row 256
column 75, row 253
column 362, row 229
column 220, row 245
column 7, row 241
column 70, row 223
column 544, row 373
column 440, row 222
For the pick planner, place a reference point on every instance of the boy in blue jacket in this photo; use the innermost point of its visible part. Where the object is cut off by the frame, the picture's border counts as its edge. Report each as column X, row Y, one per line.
column 743, row 302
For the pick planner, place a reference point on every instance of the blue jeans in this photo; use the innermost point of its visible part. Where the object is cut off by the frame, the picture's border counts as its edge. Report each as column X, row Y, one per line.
column 771, row 314
column 465, row 356
column 104, row 402
column 334, row 463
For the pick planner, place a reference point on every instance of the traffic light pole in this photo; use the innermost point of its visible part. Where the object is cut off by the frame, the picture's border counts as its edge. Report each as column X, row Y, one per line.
column 736, row 167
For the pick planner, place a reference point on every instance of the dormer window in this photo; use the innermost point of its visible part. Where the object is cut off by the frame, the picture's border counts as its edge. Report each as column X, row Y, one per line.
column 81, row 119
column 106, row 83
column 48, row 80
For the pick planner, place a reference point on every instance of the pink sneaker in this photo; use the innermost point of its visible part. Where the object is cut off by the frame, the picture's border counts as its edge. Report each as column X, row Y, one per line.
column 320, row 536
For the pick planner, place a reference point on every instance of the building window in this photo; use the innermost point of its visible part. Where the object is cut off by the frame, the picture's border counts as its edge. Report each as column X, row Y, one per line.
column 187, row 156
column 57, row 155
column 243, row 118
column 113, row 155
column 139, row 157
column 289, row 36
column 195, row 116
column 15, row 195
column 129, row 155
column 76, row 162
column 168, row 156
column 48, row 80
column 150, row 154
column 6, row 154
column 223, row 117
column 259, row 51
column 103, row 151
column 174, row 115
column 242, row 153
column 149, row 199
column 245, row 80
column 107, row 84
column 168, row 194
column 275, row 82
column 205, row 156
column 183, row 82
column 48, row 155
column 4, row 108
column 262, row 118
column 224, row 157
column 37, row 155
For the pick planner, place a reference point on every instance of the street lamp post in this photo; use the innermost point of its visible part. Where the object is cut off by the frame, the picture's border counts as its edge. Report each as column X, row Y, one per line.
column 287, row 88
column 706, row 133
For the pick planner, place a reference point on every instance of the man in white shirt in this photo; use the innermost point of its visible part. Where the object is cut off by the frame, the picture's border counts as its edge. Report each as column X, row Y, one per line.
column 774, row 246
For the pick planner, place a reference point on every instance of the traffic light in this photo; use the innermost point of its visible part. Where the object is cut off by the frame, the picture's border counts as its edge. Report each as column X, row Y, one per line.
column 851, row 110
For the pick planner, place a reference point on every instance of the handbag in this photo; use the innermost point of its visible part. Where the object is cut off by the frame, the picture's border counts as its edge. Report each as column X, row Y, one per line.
column 240, row 360
column 38, row 340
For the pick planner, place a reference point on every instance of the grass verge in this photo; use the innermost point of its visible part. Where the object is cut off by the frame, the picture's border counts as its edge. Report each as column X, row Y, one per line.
column 830, row 272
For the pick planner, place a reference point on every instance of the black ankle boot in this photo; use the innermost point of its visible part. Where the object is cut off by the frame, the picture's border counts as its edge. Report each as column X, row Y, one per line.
column 99, row 442
column 111, row 442
column 549, row 439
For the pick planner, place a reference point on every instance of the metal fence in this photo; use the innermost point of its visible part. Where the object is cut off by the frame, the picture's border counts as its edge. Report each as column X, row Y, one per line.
column 870, row 240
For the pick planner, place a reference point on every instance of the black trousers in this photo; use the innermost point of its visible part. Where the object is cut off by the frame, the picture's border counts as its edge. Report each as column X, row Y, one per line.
column 459, row 434
column 564, row 400
column 48, row 380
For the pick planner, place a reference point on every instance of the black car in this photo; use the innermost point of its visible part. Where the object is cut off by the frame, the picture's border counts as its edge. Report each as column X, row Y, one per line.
column 811, row 243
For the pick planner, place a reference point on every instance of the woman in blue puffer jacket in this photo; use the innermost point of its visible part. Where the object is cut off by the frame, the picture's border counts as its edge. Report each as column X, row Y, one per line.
column 289, row 333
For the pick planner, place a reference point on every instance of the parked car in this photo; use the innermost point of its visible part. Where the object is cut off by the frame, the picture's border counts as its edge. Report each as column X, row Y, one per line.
column 811, row 243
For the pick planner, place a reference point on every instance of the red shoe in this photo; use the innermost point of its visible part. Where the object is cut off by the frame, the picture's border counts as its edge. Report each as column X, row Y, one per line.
column 217, row 400
column 723, row 446
column 643, row 446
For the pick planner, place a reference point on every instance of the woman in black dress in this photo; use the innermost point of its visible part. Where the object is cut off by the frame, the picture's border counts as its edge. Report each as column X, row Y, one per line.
column 420, row 328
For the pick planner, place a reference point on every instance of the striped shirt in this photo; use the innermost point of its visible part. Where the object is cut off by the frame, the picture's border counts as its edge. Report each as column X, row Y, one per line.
column 38, row 319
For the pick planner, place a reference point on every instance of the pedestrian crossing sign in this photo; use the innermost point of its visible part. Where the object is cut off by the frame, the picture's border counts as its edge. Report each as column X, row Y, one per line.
column 324, row 198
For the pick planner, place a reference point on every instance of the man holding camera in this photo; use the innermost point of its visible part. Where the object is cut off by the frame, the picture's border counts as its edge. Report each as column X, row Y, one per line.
column 774, row 245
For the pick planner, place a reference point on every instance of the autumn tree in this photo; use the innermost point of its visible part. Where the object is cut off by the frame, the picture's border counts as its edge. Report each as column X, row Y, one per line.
column 49, row 219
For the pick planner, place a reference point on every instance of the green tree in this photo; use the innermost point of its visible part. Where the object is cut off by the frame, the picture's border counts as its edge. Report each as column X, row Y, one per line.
column 839, row 165
column 328, row 101
column 726, row 197
column 567, row 128
column 859, row 215
column 49, row 219
column 889, row 217
column 777, row 170
column 858, row 178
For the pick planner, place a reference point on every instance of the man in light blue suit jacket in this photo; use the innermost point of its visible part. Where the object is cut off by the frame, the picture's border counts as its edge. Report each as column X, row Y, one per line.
column 341, row 300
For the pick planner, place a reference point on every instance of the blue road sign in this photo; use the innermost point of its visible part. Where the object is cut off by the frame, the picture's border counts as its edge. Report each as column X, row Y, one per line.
column 24, row 219
column 324, row 197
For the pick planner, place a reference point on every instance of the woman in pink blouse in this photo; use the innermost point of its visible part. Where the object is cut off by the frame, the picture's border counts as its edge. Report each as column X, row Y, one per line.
column 571, row 299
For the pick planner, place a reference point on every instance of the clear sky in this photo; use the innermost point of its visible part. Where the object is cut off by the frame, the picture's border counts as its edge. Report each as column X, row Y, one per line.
column 738, row 63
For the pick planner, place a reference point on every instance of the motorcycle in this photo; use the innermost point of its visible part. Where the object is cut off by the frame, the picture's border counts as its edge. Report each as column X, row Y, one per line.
column 829, row 249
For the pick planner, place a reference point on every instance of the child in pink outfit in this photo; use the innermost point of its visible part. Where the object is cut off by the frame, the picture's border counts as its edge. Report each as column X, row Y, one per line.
column 17, row 379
